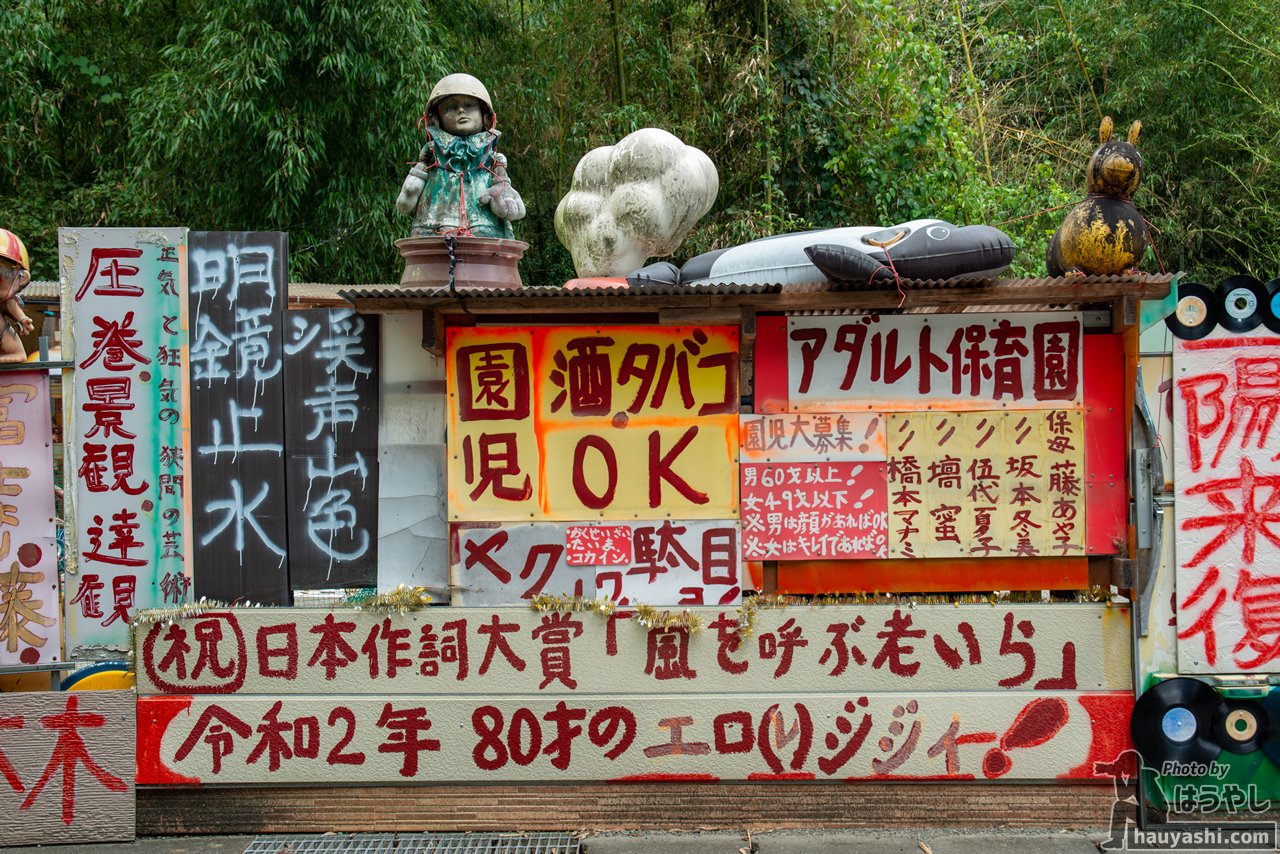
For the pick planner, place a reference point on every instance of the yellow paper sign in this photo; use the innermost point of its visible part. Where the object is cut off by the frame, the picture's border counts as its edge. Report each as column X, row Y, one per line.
column 565, row 423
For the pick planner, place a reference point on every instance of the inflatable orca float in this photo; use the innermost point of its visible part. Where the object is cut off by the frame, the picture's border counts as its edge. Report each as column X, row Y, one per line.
column 920, row 249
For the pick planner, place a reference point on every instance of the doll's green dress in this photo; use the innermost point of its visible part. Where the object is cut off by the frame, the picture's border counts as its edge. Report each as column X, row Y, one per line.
column 458, row 170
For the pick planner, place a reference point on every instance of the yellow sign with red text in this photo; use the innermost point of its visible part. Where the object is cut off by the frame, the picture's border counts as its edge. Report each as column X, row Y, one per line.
column 565, row 423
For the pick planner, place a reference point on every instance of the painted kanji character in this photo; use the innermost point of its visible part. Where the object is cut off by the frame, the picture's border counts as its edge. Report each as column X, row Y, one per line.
column 68, row 751
column 894, row 651
column 494, row 459
column 332, row 651
column 556, row 630
column 782, row 645
column 585, row 379
column 272, row 742
column 497, row 632
column 395, row 641
column 667, row 654
column 449, row 649
column 405, row 728
column 560, row 747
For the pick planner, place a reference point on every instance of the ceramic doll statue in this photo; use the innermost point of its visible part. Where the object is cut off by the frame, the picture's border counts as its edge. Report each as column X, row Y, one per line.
column 459, row 186
column 15, row 273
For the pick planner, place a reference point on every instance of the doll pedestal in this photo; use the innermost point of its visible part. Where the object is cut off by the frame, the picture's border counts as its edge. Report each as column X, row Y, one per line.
column 479, row 262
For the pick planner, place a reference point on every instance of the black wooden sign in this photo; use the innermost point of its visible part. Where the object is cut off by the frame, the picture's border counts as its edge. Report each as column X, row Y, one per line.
column 331, row 447
column 237, row 293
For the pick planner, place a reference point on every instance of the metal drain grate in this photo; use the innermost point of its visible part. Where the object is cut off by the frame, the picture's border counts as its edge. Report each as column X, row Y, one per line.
column 419, row 843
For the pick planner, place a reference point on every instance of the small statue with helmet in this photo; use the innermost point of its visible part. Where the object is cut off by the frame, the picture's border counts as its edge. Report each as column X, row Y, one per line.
column 459, row 186
column 15, row 274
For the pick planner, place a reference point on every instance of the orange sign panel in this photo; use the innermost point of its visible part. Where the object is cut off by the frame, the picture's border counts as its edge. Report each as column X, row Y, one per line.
column 573, row 423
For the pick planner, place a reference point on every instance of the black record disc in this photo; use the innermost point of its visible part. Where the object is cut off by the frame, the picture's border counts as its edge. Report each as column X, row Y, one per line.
column 1271, row 311
column 1271, row 743
column 1242, row 302
column 1241, row 726
column 1195, row 314
column 1173, row 721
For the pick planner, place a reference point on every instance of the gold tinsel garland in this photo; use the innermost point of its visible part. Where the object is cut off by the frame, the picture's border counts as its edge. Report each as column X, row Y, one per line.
column 400, row 600
column 646, row 615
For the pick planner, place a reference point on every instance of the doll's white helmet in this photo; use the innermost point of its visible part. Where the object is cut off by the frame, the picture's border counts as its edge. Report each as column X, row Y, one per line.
column 459, row 84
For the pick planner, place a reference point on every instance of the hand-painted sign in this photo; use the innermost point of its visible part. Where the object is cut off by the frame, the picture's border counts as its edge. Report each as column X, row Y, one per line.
column 1227, row 390
column 765, row 736
column 68, row 765
column 125, row 295
column 951, row 361
column 986, row 484
column 642, row 421
column 800, row 511
column 237, row 418
column 655, row 563
column 331, row 428
column 30, row 619
column 876, row 648
column 806, row 436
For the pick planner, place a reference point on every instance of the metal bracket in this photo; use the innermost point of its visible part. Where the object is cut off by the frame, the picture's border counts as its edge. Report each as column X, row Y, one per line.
column 1147, row 482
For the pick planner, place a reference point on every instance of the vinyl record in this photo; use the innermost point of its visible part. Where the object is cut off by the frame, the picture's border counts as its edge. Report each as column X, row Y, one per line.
column 1173, row 721
column 1271, row 311
column 1195, row 314
column 1241, row 726
column 1241, row 304
column 1271, row 742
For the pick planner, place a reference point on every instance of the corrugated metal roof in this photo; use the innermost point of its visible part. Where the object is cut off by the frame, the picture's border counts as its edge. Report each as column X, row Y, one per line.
column 325, row 291
column 40, row 291
column 961, row 282
column 353, row 292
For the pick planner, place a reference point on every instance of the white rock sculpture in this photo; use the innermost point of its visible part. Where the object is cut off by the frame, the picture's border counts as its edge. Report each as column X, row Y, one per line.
column 633, row 201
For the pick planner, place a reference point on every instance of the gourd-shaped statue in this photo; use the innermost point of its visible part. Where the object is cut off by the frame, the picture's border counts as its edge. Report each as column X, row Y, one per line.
column 459, row 186
column 1105, row 234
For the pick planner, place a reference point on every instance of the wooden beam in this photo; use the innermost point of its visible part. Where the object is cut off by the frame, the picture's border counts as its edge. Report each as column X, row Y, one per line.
column 747, row 352
column 1124, row 313
column 433, row 332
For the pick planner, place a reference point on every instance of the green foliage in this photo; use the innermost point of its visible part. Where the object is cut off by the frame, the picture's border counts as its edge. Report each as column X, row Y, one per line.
column 301, row 116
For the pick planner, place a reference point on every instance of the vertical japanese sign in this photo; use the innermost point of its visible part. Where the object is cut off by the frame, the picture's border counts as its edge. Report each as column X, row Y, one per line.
column 29, row 615
column 331, row 443
column 986, row 484
column 568, row 423
column 124, row 291
column 1226, row 395
column 237, row 303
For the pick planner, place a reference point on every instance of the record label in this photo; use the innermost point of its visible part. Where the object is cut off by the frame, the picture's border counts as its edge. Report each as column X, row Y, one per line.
column 1174, row 721
column 1240, row 726
column 1194, row 315
column 1240, row 303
